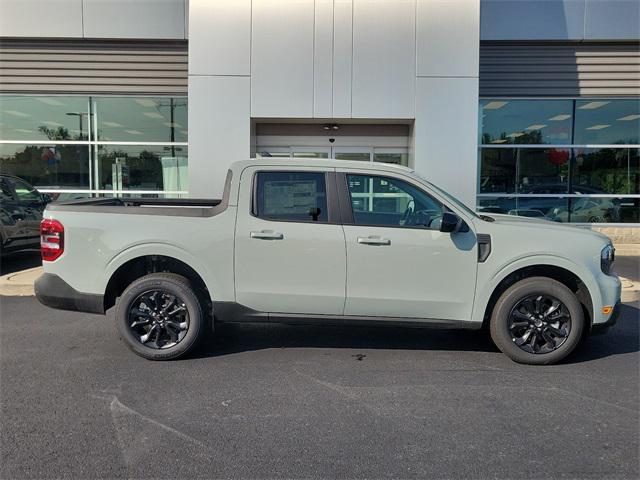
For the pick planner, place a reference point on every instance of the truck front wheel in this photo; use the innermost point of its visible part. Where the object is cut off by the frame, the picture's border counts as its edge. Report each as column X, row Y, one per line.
column 537, row 321
column 159, row 316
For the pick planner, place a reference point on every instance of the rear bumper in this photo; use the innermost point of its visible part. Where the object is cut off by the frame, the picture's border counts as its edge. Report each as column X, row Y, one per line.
column 599, row 328
column 54, row 292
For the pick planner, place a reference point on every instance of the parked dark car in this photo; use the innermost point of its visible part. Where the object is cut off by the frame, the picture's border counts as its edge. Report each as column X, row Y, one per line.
column 21, row 207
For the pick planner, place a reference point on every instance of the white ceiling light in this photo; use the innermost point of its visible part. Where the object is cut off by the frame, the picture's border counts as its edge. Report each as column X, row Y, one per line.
column 112, row 124
column 174, row 124
column 133, row 132
column 50, row 101
column 152, row 114
column 145, row 102
column 628, row 118
column 23, row 130
column 52, row 123
column 16, row 113
column 184, row 132
column 597, row 127
column 537, row 126
column 494, row 105
column 592, row 105
column 559, row 118
column 515, row 135
column 500, row 140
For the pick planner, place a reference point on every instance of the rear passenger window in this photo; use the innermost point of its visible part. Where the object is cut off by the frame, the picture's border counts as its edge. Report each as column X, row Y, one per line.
column 291, row 196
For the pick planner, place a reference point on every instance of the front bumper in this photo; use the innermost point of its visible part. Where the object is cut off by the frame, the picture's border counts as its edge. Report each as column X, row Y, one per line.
column 600, row 328
column 54, row 292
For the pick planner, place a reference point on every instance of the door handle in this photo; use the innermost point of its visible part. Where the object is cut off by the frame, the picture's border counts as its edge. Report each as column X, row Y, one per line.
column 374, row 241
column 267, row 235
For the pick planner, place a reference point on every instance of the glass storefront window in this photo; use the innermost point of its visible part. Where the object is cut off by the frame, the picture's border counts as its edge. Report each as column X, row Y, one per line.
column 47, row 165
column 498, row 170
column 150, row 119
column 606, row 170
column 52, row 118
column 525, row 121
column 397, row 158
column 578, row 168
column 607, row 122
column 542, row 170
column 140, row 167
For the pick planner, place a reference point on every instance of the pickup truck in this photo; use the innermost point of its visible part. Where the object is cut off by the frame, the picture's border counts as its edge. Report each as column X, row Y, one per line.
column 328, row 242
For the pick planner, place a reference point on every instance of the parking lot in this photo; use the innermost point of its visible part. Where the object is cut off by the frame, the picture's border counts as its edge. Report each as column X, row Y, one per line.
column 282, row 401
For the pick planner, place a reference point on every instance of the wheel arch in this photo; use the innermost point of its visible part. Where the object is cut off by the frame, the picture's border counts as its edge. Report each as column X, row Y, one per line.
column 142, row 265
column 559, row 273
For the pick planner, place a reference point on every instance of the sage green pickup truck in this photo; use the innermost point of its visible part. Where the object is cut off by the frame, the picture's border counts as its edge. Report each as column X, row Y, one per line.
column 326, row 242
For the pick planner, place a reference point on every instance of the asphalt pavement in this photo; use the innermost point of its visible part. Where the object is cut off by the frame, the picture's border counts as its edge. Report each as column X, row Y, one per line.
column 309, row 402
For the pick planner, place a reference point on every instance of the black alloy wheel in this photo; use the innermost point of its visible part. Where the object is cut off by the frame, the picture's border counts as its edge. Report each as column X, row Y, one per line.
column 158, row 319
column 539, row 324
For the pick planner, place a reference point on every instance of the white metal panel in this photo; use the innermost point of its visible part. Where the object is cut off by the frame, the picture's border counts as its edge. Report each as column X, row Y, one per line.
column 323, row 59
column 342, row 57
column 282, row 58
column 220, row 37
column 41, row 18
column 448, row 37
column 612, row 20
column 532, row 19
column 446, row 130
column 219, row 131
column 134, row 19
column 384, row 60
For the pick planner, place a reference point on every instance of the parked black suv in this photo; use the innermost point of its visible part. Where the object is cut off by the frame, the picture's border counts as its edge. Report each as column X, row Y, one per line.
column 21, row 207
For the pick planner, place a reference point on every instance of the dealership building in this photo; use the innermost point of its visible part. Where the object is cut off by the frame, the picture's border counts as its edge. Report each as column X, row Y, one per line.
column 527, row 107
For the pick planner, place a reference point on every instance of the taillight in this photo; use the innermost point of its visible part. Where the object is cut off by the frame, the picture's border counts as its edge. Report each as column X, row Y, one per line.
column 51, row 239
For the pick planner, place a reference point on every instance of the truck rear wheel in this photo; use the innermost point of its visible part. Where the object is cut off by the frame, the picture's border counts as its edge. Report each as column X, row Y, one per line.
column 160, row 317
column 537, row 321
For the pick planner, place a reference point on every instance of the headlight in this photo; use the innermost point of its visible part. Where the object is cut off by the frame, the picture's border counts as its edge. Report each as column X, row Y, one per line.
column 607, row 256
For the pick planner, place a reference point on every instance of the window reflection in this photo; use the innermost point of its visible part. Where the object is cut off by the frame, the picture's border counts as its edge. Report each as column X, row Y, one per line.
column 43, row 118
column 47, row 165
column 142, row 167
column 498, row 170
column 607, row 122
column 151, row 119
column 543, row 170
column 525, row 121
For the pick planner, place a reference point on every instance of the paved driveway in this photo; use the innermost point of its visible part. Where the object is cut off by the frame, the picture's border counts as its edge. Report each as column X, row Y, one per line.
column 278, row 401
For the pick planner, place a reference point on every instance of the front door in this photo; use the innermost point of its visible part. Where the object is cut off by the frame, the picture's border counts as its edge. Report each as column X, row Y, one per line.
column 398, row 262
column 290, row 247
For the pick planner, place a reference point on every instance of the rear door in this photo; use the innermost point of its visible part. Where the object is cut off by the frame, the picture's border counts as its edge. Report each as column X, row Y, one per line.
column 290, row 247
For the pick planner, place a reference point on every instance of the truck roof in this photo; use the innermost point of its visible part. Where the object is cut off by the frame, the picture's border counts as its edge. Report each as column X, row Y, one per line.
column 319, row 162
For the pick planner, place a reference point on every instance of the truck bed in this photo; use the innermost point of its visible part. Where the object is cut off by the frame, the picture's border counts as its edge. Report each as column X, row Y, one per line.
column 177, row 207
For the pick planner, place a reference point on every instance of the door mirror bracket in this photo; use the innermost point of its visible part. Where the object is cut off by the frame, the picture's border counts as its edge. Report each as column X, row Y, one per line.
column 452, row 223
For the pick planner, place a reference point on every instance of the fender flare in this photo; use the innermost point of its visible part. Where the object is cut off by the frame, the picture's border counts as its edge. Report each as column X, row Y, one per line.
column 160, row 249
column 584, row 275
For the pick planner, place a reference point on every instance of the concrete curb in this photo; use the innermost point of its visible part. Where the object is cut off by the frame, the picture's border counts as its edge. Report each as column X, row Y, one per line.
column 19, row 284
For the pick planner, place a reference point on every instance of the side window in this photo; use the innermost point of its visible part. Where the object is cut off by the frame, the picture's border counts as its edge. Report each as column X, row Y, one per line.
column 24, row 192
column 6, row 193
column 291, row 196
column 385, row 201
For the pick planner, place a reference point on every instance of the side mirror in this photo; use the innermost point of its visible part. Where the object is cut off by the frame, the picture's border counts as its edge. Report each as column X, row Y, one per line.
column 450, row 222
column 46, row 198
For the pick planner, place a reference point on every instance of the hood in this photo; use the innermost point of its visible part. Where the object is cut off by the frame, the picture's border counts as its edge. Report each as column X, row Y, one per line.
column 549, row 225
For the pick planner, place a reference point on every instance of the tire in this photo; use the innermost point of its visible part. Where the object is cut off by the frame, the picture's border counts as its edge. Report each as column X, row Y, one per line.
column 522, row 308
column 178, row 327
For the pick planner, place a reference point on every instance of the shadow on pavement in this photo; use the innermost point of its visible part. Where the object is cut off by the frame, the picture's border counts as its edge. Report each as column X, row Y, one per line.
column 622, row 338
column 236, row 338
column 20, row 261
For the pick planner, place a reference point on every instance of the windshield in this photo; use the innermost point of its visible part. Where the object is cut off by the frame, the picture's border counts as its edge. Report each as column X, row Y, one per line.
column 450, row 198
